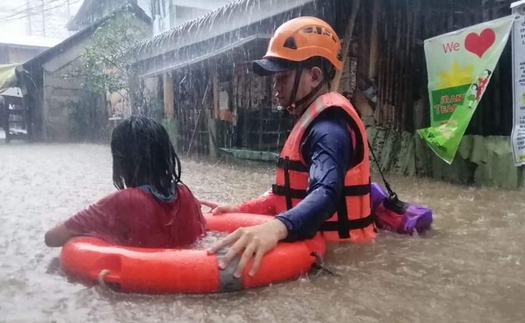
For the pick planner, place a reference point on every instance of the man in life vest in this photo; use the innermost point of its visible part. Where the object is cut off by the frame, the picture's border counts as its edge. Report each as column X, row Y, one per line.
column 323, row 175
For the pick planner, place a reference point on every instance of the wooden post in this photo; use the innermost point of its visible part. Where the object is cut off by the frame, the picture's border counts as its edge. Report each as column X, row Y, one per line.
column 214, row 115
column 372, row 64
column 215, row 84
column 169, row 100
column 347, row 37
column 212, row 133
column 169, row 121
column 245, row 94
column 366, row 108
column 44, row 107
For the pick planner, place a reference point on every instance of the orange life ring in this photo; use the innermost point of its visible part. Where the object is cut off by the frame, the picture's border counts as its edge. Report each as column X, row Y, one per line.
column 160, row 271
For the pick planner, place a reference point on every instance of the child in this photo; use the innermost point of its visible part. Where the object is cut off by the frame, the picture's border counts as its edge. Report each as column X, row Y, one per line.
column 152, row 207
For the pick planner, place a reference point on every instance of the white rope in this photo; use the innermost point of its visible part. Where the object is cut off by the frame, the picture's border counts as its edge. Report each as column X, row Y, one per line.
column 103, row 273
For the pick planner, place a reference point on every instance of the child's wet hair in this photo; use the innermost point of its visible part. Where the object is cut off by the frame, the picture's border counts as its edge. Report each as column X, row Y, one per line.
column 144, row 155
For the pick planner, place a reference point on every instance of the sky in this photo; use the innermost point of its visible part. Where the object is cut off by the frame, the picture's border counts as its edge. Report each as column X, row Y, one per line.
column 15, row 18
column 21, row 21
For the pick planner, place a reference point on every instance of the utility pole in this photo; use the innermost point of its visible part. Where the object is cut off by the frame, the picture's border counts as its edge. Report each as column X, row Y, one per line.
column 43, row 20
column 28, row 11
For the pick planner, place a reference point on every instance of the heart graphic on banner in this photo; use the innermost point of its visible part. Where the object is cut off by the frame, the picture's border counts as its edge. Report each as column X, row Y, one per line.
column 479, row 44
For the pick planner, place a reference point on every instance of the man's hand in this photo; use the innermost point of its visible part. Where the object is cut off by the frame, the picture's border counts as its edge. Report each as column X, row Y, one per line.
column 256, row 240
column 220, row 208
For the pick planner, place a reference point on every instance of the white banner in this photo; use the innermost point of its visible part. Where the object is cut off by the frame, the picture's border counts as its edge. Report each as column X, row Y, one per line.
column 518, row 86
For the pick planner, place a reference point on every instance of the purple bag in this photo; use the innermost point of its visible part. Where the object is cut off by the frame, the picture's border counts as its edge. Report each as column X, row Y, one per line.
column 401, row 217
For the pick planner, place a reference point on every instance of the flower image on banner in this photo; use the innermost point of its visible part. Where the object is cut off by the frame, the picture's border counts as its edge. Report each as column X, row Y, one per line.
column 460, row 65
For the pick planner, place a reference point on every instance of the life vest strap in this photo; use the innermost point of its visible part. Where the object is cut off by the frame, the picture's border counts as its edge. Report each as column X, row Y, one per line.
column 280, row 190
column 287, row 193
column 290, row 164
column 352, row 224
column 355, row 190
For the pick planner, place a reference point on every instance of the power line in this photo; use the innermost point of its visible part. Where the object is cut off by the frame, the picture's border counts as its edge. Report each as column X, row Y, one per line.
column 38, row 7
column 32, row 9
column 35, row 19
column 25, row 8
column 21, row 8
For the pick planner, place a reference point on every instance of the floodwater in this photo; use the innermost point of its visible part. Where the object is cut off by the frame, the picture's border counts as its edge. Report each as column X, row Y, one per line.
column 470, row 268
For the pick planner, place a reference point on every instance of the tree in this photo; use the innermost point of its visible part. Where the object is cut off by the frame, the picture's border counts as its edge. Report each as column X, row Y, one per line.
column 106, row 62
column 105, row 72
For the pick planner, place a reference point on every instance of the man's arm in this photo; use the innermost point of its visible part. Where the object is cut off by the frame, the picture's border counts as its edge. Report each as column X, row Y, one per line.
column 264, row 204
column 328, row 150
column 328, row 146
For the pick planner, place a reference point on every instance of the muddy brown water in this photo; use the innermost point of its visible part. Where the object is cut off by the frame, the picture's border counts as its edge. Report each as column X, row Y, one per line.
column 470, row 268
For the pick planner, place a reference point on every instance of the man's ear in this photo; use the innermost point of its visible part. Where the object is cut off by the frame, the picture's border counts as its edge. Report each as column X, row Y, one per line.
column 317, row 75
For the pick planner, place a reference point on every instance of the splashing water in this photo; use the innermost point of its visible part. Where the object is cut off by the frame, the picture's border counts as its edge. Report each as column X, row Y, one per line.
column 208, row 240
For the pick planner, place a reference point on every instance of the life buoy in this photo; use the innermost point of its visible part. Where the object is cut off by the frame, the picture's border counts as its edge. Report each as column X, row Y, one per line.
column 159, row 271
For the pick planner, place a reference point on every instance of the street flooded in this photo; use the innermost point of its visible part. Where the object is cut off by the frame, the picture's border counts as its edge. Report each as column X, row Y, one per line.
column 469, row 268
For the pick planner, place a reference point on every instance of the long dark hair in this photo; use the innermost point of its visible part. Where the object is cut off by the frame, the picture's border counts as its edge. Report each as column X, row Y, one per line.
column 143, row 155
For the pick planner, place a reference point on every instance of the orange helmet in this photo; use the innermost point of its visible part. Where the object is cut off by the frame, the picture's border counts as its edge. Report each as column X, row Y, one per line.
column 298, row 40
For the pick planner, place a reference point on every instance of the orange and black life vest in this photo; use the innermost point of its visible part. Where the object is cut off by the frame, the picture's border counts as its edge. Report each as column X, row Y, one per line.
column 353, row 220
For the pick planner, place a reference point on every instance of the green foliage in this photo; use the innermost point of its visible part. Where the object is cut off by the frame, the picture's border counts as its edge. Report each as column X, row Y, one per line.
column 105, row 62
column 104, row 70
column 88, row 119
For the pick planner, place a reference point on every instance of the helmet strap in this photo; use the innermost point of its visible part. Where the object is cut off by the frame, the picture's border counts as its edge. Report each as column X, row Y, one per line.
column 293, row 103
column 293, row 95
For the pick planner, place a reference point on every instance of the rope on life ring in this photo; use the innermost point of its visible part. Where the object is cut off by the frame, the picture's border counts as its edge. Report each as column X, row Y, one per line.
column 321, row 266
column 103, row 273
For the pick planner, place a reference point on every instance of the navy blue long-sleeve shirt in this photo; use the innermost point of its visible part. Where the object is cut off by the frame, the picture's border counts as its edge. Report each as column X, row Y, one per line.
column 327, row 148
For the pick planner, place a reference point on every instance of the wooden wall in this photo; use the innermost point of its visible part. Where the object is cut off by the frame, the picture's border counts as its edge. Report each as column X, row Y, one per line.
column 389, row 37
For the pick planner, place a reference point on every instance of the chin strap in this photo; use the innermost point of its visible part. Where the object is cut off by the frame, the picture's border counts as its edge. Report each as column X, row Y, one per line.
column 294, row 104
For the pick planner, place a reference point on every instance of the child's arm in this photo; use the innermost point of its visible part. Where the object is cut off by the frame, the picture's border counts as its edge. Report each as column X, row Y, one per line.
column 264, row 204
column 97, row 220
column 58, row 236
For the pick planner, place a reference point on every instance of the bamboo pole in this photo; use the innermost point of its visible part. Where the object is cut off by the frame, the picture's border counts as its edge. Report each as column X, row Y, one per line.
column 382, row 75
column 169, row 99
column 215, row 88
column 347, row 36
column 202, row 107
column 409, row 121
column 214, row 114
column 388, row 66
column 372, row 64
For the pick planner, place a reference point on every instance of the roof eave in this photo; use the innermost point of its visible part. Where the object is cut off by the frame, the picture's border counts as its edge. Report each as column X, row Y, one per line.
column 200, row 29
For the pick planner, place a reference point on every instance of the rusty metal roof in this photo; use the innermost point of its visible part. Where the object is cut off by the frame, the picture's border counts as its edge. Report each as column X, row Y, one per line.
column 225, row 19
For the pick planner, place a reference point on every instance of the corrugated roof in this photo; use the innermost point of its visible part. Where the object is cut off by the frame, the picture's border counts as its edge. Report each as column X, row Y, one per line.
column 230, row 17
column 87, row 7
column 175, row 65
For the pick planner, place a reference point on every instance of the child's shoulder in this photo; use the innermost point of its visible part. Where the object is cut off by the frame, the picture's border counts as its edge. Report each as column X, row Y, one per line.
column 184, row 190
column 129, row 194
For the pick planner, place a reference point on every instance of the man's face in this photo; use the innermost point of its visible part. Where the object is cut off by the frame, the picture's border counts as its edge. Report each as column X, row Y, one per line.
column 283, row 85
